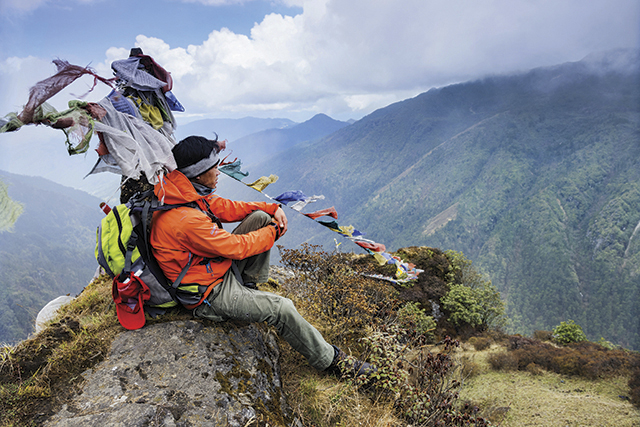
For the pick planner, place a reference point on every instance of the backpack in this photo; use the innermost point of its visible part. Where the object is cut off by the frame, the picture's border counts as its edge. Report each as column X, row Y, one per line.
column 123, row 250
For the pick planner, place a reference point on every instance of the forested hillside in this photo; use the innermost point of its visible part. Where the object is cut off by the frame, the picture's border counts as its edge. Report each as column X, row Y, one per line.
column 47, row 253
column 535, row 177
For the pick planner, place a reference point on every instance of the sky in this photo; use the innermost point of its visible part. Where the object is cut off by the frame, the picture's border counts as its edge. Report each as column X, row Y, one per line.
column 288, row 59
column 296, row 58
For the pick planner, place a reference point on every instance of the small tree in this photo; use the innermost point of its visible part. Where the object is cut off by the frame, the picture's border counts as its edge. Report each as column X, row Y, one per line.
column 471, row 299
column 462, row 303
column 479, row 306
column 568, row 332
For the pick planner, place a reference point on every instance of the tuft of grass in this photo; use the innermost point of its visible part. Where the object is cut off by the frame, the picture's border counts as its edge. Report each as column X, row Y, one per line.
column 469, row 367
column 320, row 400
column 480, row 343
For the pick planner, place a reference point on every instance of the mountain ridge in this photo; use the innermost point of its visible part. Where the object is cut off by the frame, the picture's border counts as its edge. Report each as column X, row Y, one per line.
column 482, row 165
column 268, row 143
column 230, row 129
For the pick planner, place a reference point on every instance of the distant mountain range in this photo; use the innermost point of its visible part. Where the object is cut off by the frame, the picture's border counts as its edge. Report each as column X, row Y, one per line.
column 535, row 177
column 230, row 129
column 260, row 146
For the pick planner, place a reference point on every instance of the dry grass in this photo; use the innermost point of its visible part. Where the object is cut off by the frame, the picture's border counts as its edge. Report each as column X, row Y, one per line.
column 542, row 398
column 508, row 399
column 320, row 400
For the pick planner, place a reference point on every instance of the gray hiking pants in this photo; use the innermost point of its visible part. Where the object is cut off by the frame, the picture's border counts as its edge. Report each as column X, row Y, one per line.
column 230, row 300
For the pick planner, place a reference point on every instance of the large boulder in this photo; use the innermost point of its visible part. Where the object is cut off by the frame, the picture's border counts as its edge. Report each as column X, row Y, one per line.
column 183, row 373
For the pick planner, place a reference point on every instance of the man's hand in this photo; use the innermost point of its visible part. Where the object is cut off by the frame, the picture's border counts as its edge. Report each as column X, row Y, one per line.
column 281, row 219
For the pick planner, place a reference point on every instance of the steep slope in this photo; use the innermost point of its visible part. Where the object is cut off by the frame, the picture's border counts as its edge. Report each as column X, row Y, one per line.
column 48, row 253
column 533, row 176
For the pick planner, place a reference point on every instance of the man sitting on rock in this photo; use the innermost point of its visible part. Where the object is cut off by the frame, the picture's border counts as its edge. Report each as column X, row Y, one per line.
column 225, row 267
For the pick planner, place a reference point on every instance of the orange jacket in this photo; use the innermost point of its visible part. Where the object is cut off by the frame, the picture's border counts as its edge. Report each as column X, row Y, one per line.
column 181, row 233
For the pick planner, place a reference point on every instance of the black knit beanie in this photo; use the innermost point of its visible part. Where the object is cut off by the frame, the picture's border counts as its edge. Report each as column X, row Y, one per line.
column 195, row 155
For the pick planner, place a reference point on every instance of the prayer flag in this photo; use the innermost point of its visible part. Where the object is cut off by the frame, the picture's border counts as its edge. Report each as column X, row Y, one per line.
column 262, row 182
column 324, row 212
column 233, row 170
column 302, row 203
column 290, row 196
column 330, row 224
column 376, row 247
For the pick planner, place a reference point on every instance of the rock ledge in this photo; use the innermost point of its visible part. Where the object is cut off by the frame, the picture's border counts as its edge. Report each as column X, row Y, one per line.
column 183, row 373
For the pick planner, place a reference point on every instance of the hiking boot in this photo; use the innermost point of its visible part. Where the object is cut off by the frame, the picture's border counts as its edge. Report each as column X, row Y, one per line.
column 342, row 365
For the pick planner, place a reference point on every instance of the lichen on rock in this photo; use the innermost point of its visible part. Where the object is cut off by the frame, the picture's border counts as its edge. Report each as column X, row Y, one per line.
column 183, row 373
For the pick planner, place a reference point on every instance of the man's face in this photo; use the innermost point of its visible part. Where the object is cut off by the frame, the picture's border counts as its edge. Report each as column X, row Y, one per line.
column 209, row 178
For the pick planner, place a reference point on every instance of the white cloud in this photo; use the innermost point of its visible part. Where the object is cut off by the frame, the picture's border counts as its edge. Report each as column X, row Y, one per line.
column 355, row 55
column 346, row 58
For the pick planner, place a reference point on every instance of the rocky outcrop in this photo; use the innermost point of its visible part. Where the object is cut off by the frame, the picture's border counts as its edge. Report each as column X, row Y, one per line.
column 183, row 373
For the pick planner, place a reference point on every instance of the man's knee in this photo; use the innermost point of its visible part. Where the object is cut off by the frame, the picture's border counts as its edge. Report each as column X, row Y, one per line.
column 254, row 221
column 286, row 310
column 260, row 217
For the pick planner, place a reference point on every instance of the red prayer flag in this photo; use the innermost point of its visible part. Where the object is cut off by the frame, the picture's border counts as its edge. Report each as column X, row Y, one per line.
column 376, row 247
column 323, row 212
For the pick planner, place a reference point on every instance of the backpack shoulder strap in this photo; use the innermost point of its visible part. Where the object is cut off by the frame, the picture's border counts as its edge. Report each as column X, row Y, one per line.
column 146, row 206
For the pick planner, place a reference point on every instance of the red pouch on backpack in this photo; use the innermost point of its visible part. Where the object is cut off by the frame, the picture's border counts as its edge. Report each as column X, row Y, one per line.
column 130, row 293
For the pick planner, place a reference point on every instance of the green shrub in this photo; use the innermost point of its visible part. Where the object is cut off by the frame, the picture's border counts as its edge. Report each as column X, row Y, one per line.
column 471, row 299
column 479, row 307
column 568, row 332
column 411, row 316
column 463, row 306
column 607, row 344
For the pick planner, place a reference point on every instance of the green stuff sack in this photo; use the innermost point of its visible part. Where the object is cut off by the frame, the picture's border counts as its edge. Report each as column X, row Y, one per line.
column 112, row 239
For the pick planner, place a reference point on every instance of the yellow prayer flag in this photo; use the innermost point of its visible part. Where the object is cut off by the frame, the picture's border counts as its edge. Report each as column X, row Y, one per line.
column 347, row 230
column 381, row 260
column 263, row 182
